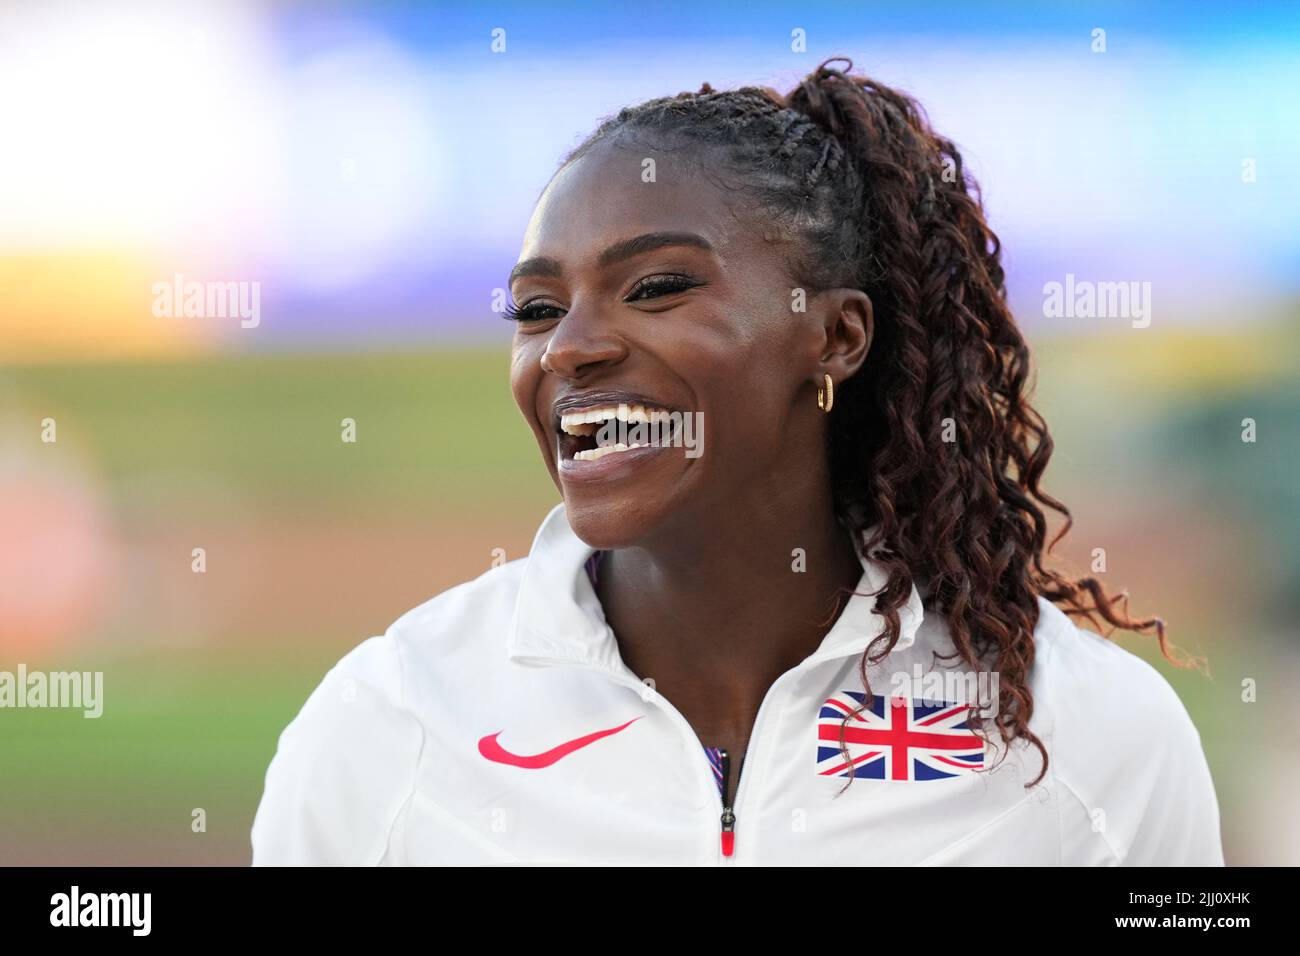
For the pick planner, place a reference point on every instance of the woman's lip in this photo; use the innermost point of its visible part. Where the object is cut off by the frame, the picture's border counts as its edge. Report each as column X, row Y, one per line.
column 616, row 464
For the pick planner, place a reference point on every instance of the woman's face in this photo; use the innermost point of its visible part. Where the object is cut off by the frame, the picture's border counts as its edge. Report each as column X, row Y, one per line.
column 700, row 321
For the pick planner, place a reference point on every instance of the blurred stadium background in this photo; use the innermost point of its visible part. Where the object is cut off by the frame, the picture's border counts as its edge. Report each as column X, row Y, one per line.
column 372, row 166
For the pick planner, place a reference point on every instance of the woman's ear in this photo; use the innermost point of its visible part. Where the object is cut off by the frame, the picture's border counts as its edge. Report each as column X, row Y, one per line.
column 849, row 325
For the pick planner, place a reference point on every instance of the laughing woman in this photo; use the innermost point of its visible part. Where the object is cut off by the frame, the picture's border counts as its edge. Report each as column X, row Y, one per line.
column 793, row 608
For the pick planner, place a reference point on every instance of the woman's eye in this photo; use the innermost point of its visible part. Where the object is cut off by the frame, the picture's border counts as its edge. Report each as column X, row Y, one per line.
column 533, row 312
column 650, row 288
column 661, row 285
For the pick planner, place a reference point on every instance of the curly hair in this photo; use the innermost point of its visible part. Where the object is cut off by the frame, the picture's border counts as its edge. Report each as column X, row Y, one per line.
column 933, row 441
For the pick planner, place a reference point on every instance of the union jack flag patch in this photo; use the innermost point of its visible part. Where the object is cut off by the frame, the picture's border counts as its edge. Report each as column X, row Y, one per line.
column 896, row 738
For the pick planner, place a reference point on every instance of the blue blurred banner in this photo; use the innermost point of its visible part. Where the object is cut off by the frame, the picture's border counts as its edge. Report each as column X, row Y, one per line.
column 373, row 166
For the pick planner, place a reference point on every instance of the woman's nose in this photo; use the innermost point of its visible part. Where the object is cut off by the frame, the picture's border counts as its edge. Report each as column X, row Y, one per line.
column 581, row 340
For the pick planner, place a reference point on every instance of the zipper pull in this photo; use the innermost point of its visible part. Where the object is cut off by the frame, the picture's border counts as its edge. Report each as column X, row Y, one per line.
column 728, row 814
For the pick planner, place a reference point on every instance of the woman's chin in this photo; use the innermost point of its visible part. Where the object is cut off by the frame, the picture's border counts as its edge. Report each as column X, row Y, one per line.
column 621, row 499
column 612, row 523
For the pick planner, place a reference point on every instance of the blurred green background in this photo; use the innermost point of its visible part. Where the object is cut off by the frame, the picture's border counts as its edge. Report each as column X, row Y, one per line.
column 313, row 544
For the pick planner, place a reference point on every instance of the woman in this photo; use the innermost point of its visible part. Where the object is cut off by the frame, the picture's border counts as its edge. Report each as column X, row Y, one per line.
column 764, row 346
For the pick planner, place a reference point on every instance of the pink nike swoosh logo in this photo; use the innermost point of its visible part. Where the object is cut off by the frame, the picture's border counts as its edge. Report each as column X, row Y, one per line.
column 493, row 751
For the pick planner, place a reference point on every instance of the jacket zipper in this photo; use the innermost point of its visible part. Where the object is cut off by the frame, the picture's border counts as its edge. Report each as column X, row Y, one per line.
column 727, row 840
column 729, row 818
column 728, row 811
column 630, row 681
column 727, row 822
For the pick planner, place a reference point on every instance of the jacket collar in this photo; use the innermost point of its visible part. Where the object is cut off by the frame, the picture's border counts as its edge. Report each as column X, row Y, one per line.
column 558, row 617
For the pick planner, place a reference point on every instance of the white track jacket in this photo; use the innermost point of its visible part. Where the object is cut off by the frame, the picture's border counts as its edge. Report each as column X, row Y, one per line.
column 497, row 724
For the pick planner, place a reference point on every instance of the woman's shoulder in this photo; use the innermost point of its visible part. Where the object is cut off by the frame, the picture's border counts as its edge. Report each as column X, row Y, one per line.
column 344, row 766
column 483, row 600
column 452, row 621
column 1083, row 677
column 1122, row 745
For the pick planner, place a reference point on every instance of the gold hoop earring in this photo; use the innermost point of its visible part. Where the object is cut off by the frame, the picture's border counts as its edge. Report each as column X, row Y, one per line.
column 826, row 397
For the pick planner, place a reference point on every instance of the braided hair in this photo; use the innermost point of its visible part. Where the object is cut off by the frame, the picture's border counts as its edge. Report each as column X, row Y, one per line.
column 880, row 202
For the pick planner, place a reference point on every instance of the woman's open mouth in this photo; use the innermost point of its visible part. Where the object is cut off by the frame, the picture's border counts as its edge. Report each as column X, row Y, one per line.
column 605, row 433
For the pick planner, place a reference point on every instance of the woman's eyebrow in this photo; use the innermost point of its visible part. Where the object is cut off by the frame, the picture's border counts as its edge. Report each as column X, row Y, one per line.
column 648, row 241
column 623, row 249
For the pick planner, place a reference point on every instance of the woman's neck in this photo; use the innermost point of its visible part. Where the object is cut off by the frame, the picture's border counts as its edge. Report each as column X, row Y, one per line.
column 715, row 612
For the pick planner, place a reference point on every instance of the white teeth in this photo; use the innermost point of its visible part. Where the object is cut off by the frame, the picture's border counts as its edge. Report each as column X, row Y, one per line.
column 592, row 454
column 579, row 422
